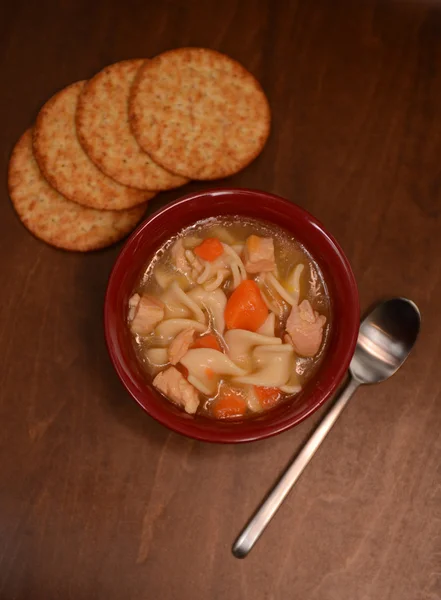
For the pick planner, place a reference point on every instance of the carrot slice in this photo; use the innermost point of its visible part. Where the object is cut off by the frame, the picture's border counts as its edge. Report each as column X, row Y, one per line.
column 246, row 308
column 207, row 341
column 230, row 404
column 267, row 396
column 210, row 249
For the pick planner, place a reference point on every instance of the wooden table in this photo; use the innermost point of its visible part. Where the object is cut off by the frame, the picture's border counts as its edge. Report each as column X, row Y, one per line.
column 99, row 501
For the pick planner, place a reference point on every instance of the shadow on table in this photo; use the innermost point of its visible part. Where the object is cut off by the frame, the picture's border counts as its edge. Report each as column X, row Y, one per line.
column 91, row 278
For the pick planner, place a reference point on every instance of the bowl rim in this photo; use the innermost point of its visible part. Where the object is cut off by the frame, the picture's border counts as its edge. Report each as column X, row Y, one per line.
column 185, row 427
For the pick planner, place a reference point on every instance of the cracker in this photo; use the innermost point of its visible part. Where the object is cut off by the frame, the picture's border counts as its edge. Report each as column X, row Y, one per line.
column 55, row 220
column 104, row 130
column 199, row 113
column 65, row 164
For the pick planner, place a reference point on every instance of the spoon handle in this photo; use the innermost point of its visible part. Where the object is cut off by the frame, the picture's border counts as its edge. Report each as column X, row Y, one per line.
column 263, row 515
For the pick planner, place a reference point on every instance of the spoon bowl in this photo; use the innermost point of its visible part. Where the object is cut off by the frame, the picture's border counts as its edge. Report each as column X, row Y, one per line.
column 387, row 335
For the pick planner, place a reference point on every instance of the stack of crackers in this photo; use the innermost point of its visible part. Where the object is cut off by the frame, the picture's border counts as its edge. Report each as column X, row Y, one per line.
column 80, row 179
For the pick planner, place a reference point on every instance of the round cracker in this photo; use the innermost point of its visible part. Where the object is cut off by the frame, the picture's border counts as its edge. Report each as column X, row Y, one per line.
column 55, row 220
column 199, row 113
column 104, row 130
column 65, row 164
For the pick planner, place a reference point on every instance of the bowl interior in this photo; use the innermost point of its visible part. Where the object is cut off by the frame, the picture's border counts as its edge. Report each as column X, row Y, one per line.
column 140, row 248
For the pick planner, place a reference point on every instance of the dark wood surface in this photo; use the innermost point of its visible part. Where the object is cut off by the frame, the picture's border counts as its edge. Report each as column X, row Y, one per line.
column 99, row 501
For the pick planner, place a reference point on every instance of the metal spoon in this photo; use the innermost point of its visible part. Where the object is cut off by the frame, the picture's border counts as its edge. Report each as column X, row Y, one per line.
column 386, row 337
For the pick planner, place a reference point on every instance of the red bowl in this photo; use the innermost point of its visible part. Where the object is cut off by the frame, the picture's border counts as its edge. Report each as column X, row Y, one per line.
column 165, row 223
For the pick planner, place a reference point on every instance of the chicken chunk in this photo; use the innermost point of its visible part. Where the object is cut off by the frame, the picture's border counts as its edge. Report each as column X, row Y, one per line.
column 147, row 313
column 176, row 388
column 179, row 346
column 259, row 254
column 304, row 329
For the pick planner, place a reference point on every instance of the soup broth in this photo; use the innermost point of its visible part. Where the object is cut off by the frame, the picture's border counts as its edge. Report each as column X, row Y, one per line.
column 230, row 317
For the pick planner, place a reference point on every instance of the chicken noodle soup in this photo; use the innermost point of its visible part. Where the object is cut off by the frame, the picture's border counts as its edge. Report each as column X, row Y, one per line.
column 230, row 318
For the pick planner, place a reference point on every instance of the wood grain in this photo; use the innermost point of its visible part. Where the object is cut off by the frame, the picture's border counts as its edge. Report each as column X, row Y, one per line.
column 99, row 501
